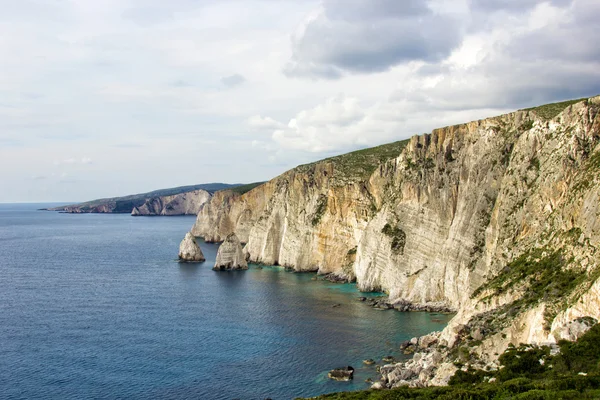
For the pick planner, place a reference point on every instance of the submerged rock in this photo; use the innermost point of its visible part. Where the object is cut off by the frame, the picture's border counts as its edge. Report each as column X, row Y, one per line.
column 230, row 255
column 189, row 251
column 341, row 374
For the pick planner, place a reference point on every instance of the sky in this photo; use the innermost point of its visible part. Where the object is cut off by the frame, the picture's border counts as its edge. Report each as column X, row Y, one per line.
column 103, row 98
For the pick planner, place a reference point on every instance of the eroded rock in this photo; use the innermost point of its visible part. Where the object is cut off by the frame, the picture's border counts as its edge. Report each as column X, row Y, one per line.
column 189, row 250
column 230, row 255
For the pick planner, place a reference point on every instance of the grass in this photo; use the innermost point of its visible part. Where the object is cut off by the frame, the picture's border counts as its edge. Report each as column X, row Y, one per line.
column 245, row 188
column 549, row 111
column 521, row 376
column 360, row 164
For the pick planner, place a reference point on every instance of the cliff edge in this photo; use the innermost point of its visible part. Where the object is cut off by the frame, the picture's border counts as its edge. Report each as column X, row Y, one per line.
column 498, row 219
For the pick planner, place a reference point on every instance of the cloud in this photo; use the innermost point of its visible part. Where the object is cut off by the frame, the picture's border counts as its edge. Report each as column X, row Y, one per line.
column 363, row 36
column 513, row 6
column 546, row 55
column 233, row 80
column 259, row 122
column 73, row 161
column 340, row 122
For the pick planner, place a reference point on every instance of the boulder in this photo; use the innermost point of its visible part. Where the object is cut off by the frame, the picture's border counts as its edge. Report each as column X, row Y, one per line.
column 230, row 255
column 189, row 251
column 341, row 374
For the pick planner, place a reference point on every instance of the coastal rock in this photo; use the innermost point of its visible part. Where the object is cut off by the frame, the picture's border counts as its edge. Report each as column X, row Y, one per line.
column 189, row 251
column 341, row 374
column 230, row 255
column 188, row 203
column 369, row 361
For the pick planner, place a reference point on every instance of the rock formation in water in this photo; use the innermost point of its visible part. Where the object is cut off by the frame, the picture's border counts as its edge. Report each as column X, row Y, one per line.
column 497, row 219
column 341, row 374
column 189, row 251
column 179, row 204
column 230, row 255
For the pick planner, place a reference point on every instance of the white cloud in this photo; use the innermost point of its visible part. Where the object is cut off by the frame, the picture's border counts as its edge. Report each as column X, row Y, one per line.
column 74, row 161
column 260, row 122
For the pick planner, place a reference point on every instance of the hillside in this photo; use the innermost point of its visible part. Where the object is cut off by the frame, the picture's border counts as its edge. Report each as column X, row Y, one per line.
column 126, row 204
column 497, row 219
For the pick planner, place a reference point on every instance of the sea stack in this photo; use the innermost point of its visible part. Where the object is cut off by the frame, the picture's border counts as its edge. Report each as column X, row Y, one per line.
column 189, row 251
column 230, row 255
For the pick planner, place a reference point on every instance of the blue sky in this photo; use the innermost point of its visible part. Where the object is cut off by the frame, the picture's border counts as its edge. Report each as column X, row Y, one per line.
column 110, row 97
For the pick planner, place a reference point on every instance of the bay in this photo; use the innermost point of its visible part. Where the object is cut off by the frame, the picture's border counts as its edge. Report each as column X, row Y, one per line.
column 96, row 306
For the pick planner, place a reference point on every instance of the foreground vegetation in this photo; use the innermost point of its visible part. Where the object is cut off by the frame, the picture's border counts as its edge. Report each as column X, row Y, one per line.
column 527, row 373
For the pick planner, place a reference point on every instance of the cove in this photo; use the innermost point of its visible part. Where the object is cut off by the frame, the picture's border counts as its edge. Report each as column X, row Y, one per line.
column 96, row 306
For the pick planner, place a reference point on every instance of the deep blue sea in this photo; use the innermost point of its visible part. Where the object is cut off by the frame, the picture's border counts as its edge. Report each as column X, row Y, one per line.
column 95, row 306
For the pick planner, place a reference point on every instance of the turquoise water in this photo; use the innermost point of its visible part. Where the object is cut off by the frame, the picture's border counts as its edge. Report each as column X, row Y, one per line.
column 95, row 306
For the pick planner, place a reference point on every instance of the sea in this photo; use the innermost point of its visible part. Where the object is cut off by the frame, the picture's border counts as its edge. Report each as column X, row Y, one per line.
column 96, row 306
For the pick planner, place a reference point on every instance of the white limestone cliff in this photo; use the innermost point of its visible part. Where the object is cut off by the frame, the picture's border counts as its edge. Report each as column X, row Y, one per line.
column 455, row 210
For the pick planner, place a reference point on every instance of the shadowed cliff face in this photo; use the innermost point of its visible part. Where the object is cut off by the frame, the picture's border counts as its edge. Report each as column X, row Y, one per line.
column 454, row 209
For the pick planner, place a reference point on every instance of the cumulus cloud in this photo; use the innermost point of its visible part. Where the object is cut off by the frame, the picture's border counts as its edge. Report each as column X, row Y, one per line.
column 339, row 123
column 259, row 122
column 370, row 36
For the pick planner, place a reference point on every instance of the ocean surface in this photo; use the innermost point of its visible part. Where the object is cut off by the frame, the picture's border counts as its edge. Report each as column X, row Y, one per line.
column 96, row 306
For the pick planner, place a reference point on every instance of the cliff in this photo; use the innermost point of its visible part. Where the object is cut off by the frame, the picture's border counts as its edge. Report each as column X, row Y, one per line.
column 497, row 219
column 187, row 203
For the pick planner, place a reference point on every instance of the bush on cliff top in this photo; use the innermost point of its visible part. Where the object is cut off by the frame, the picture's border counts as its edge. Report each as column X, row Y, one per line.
column 522, row 377
column 549, row 111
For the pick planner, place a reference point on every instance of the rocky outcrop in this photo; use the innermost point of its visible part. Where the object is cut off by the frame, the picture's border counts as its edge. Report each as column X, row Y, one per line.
column 341, row 374
column 498, row 219
column 188, row 203
column 230, row 255
column 189, row 251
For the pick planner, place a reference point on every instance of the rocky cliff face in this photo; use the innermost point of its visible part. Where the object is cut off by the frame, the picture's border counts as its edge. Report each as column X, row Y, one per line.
column 188, row 203
column 498, row 219
column 230, row 255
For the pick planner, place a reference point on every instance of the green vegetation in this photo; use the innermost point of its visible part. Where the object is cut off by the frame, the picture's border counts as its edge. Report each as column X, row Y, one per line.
column 543, row 276
column 321, row 207
column 541, row 271
column 572, row 374
column 527, row 125
column 360, row 164
column 549, row 111
column 398, row 238
column 245, row 188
